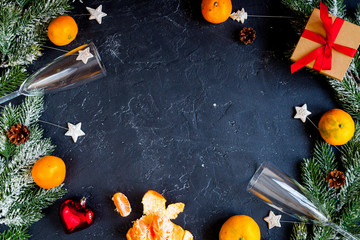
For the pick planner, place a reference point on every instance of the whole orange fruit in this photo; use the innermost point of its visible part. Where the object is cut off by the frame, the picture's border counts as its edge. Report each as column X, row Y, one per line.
column 49, row 172
column 336, row 127
column 62, row 30
column 216, row 11
column 240, row 227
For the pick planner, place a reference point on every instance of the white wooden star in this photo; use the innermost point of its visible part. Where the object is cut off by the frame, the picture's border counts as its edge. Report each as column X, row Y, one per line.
column 302, row 112
column 96, row 13
column 273, row 220
column 84, row 55
column 239, row 16
column 74, row 131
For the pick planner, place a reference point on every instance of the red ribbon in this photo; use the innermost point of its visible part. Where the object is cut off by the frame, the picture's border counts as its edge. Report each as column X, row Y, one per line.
column 323, row 54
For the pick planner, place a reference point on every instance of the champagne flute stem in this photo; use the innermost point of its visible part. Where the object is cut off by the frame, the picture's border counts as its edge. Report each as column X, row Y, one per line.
column 9, row 97
column 343, row 232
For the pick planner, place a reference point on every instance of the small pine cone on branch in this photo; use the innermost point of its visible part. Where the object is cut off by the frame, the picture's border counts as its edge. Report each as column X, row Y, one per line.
column 18, row 134
column 336, row 179
column 247, row 35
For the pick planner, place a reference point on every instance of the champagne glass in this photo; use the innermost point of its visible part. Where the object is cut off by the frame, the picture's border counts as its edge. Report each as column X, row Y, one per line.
column 288, row 196
column 79, row 66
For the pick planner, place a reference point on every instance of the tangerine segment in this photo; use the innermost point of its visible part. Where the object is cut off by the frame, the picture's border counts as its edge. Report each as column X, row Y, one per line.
column 177, row 233
column 161, row 227
column 188, row 236
column 336, row 127
column 122, row 204
column 139, row 231
column 153, row 202
column 62, row 30
column 49, row 172
column 173, row 210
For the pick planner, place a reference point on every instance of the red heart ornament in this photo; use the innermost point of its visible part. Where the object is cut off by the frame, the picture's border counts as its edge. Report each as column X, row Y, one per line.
column 75, row 216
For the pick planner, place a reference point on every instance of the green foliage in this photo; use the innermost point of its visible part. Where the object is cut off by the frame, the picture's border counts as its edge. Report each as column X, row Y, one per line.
column 23, row 28
column 11, row 79
column 21, row 201
column 305, row 7
column 15, row 234
column 299, row 232
column 343, row 205
column 314, row 173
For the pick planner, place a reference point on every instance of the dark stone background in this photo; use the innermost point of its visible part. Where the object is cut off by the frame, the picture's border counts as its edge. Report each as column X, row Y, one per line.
column 152, row 122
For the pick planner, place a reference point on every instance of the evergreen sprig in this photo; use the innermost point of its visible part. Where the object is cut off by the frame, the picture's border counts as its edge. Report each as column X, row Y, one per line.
column 342, row 206
column 23, row 28
column 21, row 201
column 16, row 233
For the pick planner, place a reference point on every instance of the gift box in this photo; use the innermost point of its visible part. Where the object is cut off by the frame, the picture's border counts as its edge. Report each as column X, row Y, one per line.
column 326, row 46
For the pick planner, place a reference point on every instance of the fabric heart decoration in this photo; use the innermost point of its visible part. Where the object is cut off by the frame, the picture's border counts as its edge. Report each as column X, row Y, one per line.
column 75, row 215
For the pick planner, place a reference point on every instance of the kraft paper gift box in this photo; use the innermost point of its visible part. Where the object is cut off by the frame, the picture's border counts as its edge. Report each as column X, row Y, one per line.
column 349, row 36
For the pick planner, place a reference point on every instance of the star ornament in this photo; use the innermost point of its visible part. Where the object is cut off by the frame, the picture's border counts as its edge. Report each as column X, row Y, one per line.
column 74, row 131
column 239, row 16
column 302, row 112
column 84, row 55
column 97, row 14
column 273, row 220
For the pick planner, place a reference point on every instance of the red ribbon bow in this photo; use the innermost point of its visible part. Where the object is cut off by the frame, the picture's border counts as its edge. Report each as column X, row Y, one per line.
column 323, row 54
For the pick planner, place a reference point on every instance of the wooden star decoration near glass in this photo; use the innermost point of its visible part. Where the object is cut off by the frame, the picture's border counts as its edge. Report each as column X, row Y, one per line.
column 96, row 14
column 273, row 220
column 84, row 55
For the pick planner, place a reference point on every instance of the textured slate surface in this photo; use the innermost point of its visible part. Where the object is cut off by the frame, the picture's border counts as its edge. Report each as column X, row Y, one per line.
column 185, row 110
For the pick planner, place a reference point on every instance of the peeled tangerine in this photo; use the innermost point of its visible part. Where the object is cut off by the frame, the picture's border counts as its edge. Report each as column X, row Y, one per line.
column 156, row 222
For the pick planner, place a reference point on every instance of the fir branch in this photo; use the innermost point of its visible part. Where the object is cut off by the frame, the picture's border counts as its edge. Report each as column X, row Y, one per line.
column 11, row 79
column 350, row 216
column 323, row 233
column 299, row 232
column 350, row 156
column 336, row 7
column 347, row 92
column 23, row 28
column 17, row 233
column 314, row 173
column 31, row 110
column 20, row 202
column 305, row 7
column 356, row 19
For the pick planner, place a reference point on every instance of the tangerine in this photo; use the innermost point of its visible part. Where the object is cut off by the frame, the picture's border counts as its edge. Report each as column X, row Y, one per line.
column 240, row 227
column 156, row 222
column 122, row 204
column 49, row 172
column 336, row 127
column 62, row 30
column 216, row 11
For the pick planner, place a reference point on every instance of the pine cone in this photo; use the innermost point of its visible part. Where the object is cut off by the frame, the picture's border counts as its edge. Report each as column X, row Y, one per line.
column 247, row 35
column 18, row 134
column 336, row 179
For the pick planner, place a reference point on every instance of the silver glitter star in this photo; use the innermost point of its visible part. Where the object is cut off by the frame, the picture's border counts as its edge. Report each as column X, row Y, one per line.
column 84, row 55
column 302, row 112
column 74, row 131
column 273, row 220
column 239, row 16
column 96, row 13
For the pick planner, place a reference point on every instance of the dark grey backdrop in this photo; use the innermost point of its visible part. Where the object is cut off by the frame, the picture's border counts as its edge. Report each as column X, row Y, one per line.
column 185, row 110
